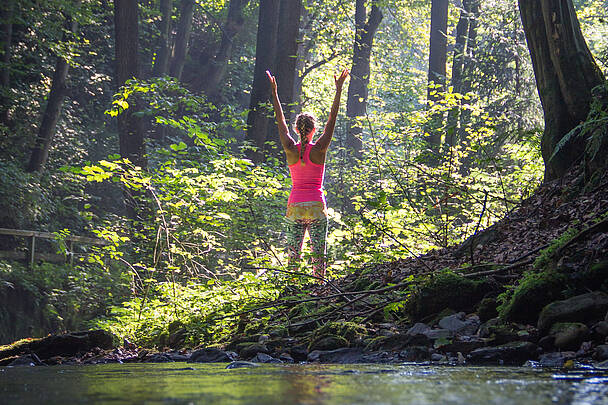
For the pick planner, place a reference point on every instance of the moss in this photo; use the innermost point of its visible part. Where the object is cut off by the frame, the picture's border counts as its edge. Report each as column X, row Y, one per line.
column 546, row 256
column 445, row 290
column 534, row 291
column 350, row 331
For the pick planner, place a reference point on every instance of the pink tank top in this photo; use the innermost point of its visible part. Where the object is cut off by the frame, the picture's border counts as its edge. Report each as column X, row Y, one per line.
column 307, row 179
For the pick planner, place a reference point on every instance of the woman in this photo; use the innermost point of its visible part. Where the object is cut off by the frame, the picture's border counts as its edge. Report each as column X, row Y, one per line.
column 306, row 207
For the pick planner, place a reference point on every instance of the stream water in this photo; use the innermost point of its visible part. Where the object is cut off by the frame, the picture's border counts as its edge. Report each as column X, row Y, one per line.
column 184, row 383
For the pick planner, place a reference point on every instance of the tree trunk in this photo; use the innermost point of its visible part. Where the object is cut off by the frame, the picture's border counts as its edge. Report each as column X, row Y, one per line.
column 162, row 57
column 258, row 118
column 6, row 18
column 468, row 66
column 356, row 103
column 184, row 28
column 52, row 111
column 437, row 64
column 130, row 128
column 460, row 46
column 216, row 69
column 565, row 74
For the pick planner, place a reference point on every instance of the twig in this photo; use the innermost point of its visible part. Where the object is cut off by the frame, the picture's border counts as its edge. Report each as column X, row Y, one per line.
column 500, row 270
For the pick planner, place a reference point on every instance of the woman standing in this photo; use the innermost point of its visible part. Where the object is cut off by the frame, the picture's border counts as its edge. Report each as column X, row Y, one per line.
column 306, row 207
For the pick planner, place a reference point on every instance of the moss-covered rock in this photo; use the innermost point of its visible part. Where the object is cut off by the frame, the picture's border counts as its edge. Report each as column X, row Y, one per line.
column 350, row 334
column 534, row 291
column 486, row 309
column 568, row 335
column 445, row 290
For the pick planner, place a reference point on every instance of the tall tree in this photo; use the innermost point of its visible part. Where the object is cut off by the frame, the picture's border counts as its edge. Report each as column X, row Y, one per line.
column 258, row 119
column 460, row 47
column 468, row 64
column 437, row 62
column 162, row 56
column 130, row 126
column 216, row 68
column 6, row 27
column 182, row 37
column 565, row 73
column 52, row 111
column 366, row 26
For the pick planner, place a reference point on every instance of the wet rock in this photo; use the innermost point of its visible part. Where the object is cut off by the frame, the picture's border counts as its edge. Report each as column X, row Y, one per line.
column 158, row 358
column 554, row 359
column 209, row 355
column 568, row 335
column 347, row 355
column 486, row 309
column 602, row 365
column 416, row 354
column 438, row 357
column 514, row 353
column 248, row 350
column 29, row 360
column 286, row 358
column 177, row 356
column 462, row 344
column 601, row 353
column 264, row 358
column 600, row 329
column 582, row 308
column 241, row 364
column 398, row 341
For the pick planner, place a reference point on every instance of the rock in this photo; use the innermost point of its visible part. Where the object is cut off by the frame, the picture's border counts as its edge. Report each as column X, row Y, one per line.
column 299, row 352
column 554, row 359
column 157, row 358
column 177, row 356
column 568, row 335
column 438, row 357
column 347, row 355
column 462, row 344
column 418, row 329
column 29, row 360
column 286, row 358
column 601, row 329
column 416, row 354
column 514, row 353
column 263, row 339
column 601, row 353
column 241, row 364
column 209, row 355
column 582, row 308
column 264, row 358
column 435, row 334
column 398, row 341
column 328, row 343
column 486, row 309
column 458, row 325
column 248, row 350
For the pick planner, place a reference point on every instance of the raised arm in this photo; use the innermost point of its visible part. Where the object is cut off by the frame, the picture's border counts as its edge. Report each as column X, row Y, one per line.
column 325, row 139
column 286, row 140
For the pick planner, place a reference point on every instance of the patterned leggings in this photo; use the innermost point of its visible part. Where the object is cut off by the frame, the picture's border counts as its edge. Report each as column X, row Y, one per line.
column 317, row 229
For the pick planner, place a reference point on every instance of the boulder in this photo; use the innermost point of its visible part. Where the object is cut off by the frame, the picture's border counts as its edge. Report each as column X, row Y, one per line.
column 209, row 355
column 581, row 308
column 418, row 329
column 29, row 360
column 241, row 364
column 347, row 355
column 416, row 354
column 398, row 341
column 299, row 352
column 157, row 358
column 514, row 353
column 569, row 335
column 457, row 324
column 264, row 358
column 552, row 359
column 328, row 343
column 248, row 350
column 601, row 329
column 462, row 344
column 601, row 353
column 435, row 334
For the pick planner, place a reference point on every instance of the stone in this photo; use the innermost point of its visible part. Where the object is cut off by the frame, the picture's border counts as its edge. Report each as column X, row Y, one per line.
column 462, row 344
column 435, row 334
column 418, row 329
column 299, row 352
column 581, row 308
column 514, row 353
column 398, row 341
column 241, row 364
column 157, row 358
column 209, row 355
column 601, row 328
column 347, row 355
column 264, row 358
column 458, row 325
column 26, row 360
column 286, row 358
column 601, row 353
column 438, row 357
column 554, row 359
column 174, row 356
column 416, row 354
column 568, row 336
column 249, row 350
column 329, row 343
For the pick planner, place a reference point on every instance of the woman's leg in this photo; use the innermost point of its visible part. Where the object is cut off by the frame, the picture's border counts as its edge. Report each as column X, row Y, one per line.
column 295, row 239
column 318, row 239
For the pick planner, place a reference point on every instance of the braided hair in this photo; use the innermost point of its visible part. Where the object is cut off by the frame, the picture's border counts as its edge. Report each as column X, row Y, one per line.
column 305, row 123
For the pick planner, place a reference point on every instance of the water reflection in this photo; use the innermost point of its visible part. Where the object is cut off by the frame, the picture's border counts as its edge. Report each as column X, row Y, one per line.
column 298, row 384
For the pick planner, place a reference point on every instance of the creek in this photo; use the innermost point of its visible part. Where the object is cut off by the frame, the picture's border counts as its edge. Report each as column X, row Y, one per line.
column 205, row 383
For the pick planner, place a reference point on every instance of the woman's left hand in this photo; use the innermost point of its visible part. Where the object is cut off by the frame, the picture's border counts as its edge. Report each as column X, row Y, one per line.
column 340, row 80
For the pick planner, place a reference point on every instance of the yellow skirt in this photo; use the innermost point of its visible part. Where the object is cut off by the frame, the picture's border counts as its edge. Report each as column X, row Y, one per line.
column 306, row 210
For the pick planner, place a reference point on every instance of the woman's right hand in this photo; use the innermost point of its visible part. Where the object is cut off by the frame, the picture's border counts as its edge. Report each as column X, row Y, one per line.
column 272, row 80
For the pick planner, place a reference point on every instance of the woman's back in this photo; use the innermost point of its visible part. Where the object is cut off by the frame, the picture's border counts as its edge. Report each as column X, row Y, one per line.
column 307, row 178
